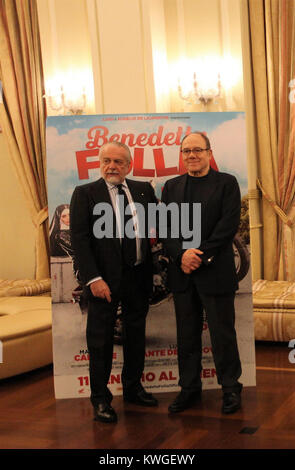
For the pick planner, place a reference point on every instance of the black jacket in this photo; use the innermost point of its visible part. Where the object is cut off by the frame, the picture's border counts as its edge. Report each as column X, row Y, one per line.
column 102, row 256
column 219, row 224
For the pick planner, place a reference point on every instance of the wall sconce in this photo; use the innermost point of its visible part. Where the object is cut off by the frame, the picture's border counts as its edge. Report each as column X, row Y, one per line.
column 66, row 105
column 66, row 92
column 199, row 94
column 203, row 80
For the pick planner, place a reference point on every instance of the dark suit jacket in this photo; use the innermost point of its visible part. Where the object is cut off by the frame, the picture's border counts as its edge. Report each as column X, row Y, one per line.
column 219, row 224
column 102, row 256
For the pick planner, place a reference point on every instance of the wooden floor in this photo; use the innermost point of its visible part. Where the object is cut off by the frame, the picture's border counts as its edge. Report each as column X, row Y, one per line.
column 31, row 418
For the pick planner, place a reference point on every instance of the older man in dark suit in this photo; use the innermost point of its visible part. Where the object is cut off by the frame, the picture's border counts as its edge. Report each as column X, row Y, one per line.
column 204, row 277
column 113, row 268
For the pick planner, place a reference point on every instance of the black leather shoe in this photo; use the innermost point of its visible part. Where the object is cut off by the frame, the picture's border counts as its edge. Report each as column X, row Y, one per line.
column 105, row 413
column 231, row 402
column 184, row 400
column 141, row 397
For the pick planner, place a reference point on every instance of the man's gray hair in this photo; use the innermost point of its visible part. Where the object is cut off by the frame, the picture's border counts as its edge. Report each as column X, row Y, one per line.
column 118, row 144
column 208, row 145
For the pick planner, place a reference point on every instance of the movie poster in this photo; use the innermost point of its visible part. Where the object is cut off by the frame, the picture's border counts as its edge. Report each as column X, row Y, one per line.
column 73, row 144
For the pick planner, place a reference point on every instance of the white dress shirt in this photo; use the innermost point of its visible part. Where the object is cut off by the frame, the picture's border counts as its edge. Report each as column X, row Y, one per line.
column 113, row 192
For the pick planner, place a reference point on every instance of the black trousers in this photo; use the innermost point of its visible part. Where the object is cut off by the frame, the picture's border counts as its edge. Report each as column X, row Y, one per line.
column 220, row 312
column 101, row 320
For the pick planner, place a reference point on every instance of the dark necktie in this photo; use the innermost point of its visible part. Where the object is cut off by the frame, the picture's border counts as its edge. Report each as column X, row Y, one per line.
column 128, row 244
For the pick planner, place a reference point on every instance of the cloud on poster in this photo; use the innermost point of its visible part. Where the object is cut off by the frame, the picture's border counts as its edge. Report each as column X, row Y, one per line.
column 61, row 148
column 228, row 142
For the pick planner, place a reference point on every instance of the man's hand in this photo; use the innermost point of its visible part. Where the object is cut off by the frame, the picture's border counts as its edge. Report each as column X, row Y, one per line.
column 101, row 289
column 190, row 260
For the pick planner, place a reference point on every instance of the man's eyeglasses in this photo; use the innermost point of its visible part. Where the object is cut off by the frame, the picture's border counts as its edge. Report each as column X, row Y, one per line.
column 196, row 151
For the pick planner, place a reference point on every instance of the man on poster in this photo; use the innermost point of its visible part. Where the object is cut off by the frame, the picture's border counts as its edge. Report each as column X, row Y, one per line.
column 113, row 268
column 204, row 277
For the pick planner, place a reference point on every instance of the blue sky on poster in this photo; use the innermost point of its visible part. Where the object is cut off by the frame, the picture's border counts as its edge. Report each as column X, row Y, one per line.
column 65, row 135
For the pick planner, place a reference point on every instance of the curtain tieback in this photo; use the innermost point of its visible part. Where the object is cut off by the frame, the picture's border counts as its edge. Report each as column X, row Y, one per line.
column 285, row 219
column 253, row 194
column 41, row 216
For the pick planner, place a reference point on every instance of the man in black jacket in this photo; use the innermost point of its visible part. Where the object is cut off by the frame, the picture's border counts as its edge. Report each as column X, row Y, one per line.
column 113, row 268
column 204, row 277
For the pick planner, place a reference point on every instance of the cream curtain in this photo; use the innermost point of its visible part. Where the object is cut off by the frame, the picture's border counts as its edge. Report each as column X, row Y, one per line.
column 270, row 68
column 22, row 113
